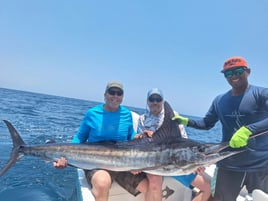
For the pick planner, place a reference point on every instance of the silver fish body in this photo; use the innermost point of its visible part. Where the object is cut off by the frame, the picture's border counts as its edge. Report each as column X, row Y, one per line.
column 176, row 157
column 167, row 153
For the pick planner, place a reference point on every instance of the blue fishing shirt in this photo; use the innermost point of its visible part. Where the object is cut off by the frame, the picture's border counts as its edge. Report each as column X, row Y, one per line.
column 250, row 110
column 100, row 125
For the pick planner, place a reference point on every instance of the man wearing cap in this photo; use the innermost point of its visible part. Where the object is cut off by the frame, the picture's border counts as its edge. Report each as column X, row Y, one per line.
column 243, row 112
column 151, row 121
column 108, row 122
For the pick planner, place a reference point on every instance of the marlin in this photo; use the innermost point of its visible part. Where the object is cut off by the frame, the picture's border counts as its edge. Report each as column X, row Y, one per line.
column 166, row 154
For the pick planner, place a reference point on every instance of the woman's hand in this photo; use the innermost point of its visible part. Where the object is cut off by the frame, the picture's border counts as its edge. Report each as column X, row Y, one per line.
column 145, row 132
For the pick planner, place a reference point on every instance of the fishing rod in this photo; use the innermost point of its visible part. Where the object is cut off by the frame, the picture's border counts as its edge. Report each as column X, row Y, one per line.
column 251, row 137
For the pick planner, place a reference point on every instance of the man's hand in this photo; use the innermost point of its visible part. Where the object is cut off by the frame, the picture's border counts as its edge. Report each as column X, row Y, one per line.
column 61, row 163
column 148, row 133
column 143, row 134
column 181, row 119
column 240, row 137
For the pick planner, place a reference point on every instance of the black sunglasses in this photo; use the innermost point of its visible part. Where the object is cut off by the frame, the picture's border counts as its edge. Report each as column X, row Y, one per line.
column 158, row 99
column 113, row 92
column 236, row 71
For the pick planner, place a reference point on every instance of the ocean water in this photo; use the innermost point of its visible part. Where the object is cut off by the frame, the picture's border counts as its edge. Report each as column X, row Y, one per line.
column 38, row 118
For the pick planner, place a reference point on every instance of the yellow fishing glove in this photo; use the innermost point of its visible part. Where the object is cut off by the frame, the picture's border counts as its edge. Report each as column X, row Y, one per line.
column 181, row 119
column 240, row 137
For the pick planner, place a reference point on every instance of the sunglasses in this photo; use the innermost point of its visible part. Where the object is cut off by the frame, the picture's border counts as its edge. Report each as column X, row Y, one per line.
column 236, row 71
column 158, row 99
column 113, row 92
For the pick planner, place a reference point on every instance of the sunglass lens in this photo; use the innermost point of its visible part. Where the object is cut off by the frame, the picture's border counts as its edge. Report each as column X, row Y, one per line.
column 239, row 71
column 118, row 93
column 228, row 73
column 159, row 99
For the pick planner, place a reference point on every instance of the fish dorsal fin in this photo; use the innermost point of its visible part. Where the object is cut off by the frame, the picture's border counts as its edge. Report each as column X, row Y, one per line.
column 169, row 128
column 168, row 131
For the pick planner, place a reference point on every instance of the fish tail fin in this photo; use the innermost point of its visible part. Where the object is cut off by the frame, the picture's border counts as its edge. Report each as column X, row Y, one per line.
column 17, row 143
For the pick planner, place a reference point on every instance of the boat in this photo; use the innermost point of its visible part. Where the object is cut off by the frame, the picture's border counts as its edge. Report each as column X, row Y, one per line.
column 172, row 190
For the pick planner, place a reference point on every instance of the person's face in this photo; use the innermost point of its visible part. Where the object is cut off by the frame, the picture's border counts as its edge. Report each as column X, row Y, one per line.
column 155, row 103
column 237, row 77
column 113, row 98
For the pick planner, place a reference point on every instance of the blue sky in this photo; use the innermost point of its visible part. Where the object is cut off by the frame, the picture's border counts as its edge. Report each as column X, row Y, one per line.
column 73, row 48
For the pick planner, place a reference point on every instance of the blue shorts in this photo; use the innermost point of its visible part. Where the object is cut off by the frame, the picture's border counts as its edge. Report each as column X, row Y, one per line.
column 186, row 180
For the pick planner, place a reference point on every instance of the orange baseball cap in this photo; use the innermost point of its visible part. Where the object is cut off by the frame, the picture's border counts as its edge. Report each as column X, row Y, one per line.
column 234, row 62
